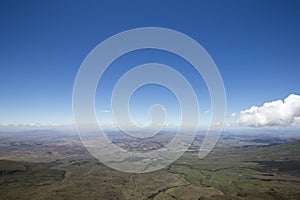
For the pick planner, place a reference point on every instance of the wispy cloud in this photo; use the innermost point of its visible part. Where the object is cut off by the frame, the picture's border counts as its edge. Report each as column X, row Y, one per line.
column 207, row 111
column 105, row 111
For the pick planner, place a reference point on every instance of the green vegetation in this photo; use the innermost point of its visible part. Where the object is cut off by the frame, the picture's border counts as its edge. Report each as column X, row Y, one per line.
column 252, row 171
column 249, row 172
column 19, row 178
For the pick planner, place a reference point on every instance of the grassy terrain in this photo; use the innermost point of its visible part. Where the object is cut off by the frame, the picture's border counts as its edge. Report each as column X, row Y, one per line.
column 252, row 172
column 61, row 168
column 21, row 179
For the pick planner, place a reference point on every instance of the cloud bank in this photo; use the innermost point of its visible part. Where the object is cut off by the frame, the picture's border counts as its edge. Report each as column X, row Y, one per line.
column 275, row 113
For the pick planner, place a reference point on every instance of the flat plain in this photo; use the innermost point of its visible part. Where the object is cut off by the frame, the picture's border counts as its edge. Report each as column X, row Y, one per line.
column 45, row 164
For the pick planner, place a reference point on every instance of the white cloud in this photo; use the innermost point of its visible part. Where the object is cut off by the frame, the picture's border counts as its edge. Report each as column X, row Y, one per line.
column 275, row 113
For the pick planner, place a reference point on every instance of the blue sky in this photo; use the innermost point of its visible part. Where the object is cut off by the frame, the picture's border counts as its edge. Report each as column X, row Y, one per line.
column 255, row 44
